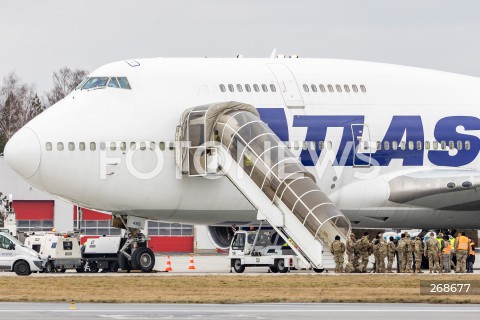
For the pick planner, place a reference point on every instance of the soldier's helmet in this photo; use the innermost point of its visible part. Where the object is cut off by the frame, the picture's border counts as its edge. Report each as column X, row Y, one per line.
column 352, row 235
column 440, row 235
column 407, row 235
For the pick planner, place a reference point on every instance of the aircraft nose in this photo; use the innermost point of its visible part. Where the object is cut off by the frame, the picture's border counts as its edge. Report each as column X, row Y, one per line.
column 22, row 152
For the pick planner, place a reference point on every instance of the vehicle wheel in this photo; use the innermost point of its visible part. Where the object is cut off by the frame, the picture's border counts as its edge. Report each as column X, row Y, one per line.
column 113, row 266
column 63, row 270
column 238, row 266
column 143, row 259
column 318, row 270
column 50, row 267
column 280, row 265
column 22, row 268
column 123, row 262
column 92, row 267
column 273, row 269
column 81, row 269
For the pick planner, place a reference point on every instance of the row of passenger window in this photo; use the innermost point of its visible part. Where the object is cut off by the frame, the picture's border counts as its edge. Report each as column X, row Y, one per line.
column 296, row 145
column 248, row 88
column 386, row 145
column 122, row 146
column 331, row 88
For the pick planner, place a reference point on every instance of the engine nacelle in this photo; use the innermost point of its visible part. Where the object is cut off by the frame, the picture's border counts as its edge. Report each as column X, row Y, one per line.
column 221, row 236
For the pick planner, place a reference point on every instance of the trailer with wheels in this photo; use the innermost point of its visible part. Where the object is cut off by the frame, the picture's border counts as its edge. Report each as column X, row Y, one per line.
column 261, row 248
column 59, row 251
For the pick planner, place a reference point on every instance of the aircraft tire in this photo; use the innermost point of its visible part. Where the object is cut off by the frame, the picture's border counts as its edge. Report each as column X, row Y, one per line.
column 143, row 259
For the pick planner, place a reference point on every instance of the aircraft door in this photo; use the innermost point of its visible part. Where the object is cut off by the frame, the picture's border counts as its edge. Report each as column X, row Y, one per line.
column 288, row 85
column 362, row 148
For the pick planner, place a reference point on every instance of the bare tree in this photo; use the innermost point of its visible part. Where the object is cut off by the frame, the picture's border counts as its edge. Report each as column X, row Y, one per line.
column 64, row 81
column 15, row 102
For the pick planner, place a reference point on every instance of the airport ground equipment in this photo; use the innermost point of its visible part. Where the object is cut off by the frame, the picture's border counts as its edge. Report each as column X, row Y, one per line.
column 102, row 253
column 230, row 138
column 58, row 251
column 14, row 256
column 8, row 222
column 263, row 248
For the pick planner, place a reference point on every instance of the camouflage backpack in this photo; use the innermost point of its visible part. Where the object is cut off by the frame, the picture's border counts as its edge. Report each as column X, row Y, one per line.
column 338, row 247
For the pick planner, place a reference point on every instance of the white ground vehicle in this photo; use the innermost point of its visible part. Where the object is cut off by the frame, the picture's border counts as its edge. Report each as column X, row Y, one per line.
column 14, row 256
column 105, row 253
column 60, row 252
column 262, row 248
column 101, row 253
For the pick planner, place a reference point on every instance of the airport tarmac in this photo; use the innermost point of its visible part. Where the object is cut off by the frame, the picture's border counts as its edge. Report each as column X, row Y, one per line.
column 60, row 311
column 209, row 264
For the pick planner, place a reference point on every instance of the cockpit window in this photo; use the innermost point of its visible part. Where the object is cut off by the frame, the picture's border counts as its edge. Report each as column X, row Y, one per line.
column 80, row 85
column 102, row 82
column 113, row 83
column 95, row 82
column 124, row 83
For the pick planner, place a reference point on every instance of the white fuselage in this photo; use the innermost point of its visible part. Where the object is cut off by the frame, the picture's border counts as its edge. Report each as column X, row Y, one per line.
column 405, row 107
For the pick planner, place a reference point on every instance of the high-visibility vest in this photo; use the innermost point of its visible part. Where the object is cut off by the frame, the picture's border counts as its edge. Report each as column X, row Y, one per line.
column 452, row 242
column 462, row 243
column 448, row 248
column 472, row 252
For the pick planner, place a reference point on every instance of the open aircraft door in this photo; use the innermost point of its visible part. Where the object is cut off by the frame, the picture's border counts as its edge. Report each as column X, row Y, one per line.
column 288, row 85
column 362, row 146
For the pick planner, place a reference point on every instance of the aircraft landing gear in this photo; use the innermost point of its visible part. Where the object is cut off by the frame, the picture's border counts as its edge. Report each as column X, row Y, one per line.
column 134, row 254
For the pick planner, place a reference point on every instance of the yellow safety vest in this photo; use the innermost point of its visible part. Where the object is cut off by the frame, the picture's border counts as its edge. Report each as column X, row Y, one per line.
column 462, row 243
column 448, row 248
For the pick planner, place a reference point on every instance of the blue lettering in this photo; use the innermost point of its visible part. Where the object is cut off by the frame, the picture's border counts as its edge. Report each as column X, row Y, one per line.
column 446, row 130
column 412, row 128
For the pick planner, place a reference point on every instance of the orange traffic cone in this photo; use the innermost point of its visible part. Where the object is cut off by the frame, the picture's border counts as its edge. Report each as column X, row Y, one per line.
column 191, row 266
column 169, row 265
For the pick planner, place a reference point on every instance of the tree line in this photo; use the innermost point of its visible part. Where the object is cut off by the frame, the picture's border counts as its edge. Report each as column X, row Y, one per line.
column 20, row 102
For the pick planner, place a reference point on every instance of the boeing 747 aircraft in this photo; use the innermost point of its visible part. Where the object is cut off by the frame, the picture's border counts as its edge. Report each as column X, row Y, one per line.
column 312, row 146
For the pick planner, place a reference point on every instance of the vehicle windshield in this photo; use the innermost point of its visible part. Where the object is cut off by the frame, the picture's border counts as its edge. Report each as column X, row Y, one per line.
column 239, row 242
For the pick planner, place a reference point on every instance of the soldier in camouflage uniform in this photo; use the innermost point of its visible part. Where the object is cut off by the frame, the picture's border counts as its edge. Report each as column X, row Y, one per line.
column 390, row 254
column 431, row 250
column 350, row 247
column 364, row 248
column 338, row 250
column 375, row 247
column 401, row 253
column 418, row 251
column 408, row 253
column 382, row 254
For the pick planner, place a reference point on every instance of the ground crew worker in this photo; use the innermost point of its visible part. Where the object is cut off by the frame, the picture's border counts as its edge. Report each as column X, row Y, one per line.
column 452, row 253
column 401, row 253
column 390, row 254
column 418, row 251
column 408, row 253
column 364, row 247
column 338, row 250
column 447, row 256
column 461, row 250
column 431, row 251
column 382, row 254
column 350, row 247
column 471, row 257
